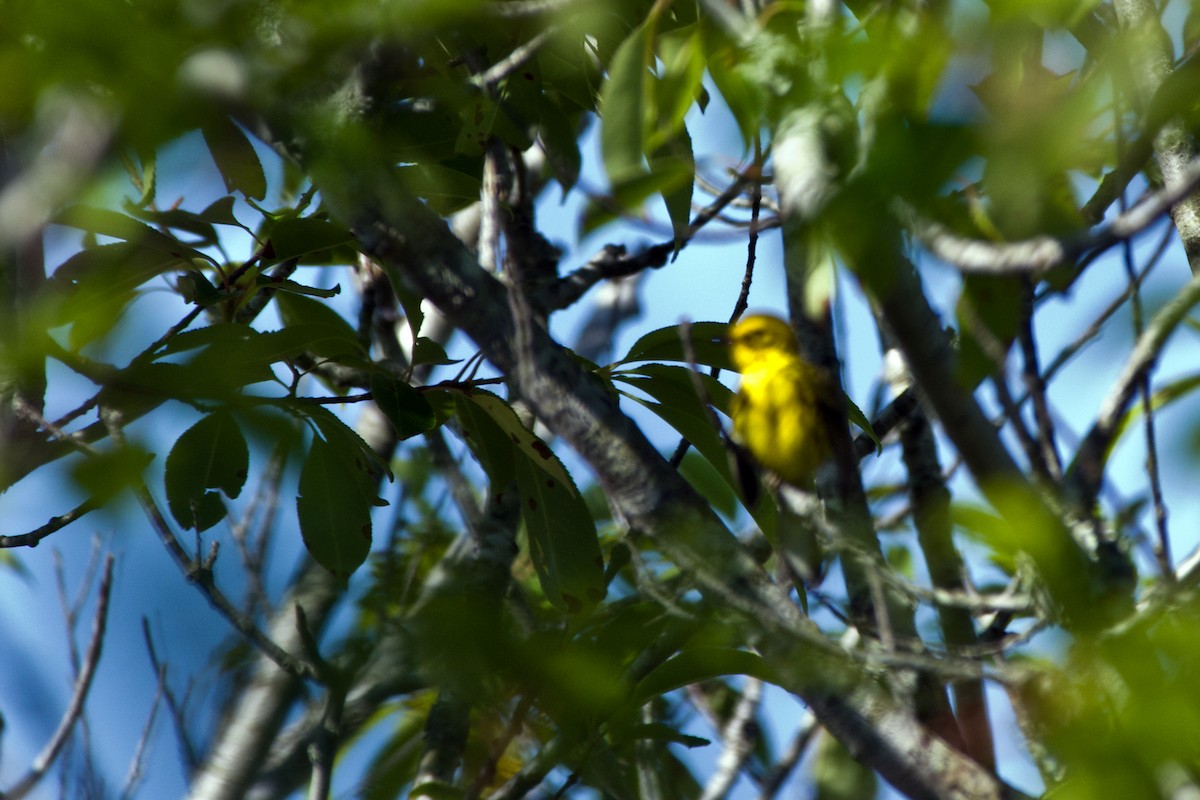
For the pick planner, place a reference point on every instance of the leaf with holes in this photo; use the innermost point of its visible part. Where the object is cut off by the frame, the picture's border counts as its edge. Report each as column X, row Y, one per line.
column 211, row 455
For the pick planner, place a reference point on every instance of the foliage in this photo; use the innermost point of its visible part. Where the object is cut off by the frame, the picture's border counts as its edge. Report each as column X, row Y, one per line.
column 508, row 588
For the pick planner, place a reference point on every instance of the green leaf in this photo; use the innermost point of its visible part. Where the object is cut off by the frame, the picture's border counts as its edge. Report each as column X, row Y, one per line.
column 485, row 438
column 630, row 193
column 178, row 219
column 838, row 775
column 94, row 286
column 674, row 389
column 405, row 408
column 334, row 510
column 108, row 472
column 296, row 310
column 220, row 212
column 561, row 143
column 675, row 156
column 317, row 338
column 295, row 237
column 700, row 664
column 428, row 352
column 210, row 455
column 227, row 334
column 514, row 434
column 713, row 485
column 196, row 289
column 744, row 98
column 562, row 536
column 104, row 222
column 855, row 415
column 235, row 157
column 663, row 344
column 622, row 99
column 657, row 731
column 680, row 83
column 365, row 463
column 291, row 287
column 445, row 189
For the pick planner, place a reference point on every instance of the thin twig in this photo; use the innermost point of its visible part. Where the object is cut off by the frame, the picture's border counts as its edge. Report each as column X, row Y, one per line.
column 1162, row 547
column 773, row 781
column 133, row 777
column 83, row 684
column 741, row 736
column 488, row 79
column 1035, row 386
column 613, row 261
column 1043, row 252
column 35, row 536
column 1087, row 470
column 200, row 574
column 175, row 708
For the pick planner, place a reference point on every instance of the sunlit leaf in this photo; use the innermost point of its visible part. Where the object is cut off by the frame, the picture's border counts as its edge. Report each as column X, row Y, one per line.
column 622, row 109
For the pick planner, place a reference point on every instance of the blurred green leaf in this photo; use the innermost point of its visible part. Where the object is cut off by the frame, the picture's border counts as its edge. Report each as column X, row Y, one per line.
column 622, row 109
column 675, row 156
column 700, row 664
column 109, row 472
column 838, row 775
column 297, row 237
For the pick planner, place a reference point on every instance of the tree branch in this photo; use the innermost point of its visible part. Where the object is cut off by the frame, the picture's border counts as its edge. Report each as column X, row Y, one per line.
column 416, row 248
column 83, row 684
column 1043, row 252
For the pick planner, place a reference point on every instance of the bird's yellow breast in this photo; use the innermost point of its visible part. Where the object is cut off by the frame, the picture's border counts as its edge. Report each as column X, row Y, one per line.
column 777, row 411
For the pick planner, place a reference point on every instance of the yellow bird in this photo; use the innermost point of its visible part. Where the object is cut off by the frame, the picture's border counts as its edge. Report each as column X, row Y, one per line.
column 779, row 411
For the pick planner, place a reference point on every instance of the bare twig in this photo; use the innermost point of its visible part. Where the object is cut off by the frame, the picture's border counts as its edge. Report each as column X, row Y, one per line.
column 1043, row 252
column 613, row 261
column 741, row 736
column 1086, row 472
column 174, row 707
column 34, row 537
column 133, row 777
column 513, row 61
column 200, row 574
column 1035, row 386
column 83, row 684
column 1162, row 547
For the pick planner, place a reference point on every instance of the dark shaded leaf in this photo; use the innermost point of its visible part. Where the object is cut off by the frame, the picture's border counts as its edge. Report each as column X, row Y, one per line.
column 335, row 514
column 235, row 157
column 210, row 455
column 405, row 408
column 701, row 664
